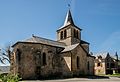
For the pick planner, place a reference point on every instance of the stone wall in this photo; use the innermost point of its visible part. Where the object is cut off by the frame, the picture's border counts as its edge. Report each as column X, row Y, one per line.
column 82, row 68
column 29, row 60
column 90, row 65
column 66, row 64
column 69, row 62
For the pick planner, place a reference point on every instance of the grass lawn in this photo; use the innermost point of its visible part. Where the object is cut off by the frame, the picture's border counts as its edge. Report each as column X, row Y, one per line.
column 109, row 75
column 113, row 75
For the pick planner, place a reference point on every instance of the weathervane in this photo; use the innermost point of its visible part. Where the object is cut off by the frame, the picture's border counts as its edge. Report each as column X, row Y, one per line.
column 69, row 4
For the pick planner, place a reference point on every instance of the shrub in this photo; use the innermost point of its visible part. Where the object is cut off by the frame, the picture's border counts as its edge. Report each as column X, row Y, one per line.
column 10, row 78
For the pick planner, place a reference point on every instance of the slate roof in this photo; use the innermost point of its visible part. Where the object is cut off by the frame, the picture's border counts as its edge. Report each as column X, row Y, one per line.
column 71, row 47
column 68, row 21
column 102, row 54
column 36, row 39
column 84, row 42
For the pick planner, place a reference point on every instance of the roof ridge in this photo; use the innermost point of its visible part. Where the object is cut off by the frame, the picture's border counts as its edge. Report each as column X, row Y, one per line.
column 70, row 47
column 46, row 39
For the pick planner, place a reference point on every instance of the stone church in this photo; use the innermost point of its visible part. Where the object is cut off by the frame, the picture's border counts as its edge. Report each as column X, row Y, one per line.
column 39, row 57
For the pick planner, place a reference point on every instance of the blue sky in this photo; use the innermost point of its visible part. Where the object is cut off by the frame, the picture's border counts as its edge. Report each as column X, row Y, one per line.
column 99, row 19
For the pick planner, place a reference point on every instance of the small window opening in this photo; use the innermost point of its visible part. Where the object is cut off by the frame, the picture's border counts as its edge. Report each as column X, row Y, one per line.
column 61, row 35
column 44, row 59
column 78, row 62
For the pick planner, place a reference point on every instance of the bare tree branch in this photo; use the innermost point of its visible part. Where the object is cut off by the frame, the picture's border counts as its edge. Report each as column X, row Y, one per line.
column 5, row 55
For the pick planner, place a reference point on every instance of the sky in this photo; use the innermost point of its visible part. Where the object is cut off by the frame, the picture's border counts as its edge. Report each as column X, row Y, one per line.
column 99, row 19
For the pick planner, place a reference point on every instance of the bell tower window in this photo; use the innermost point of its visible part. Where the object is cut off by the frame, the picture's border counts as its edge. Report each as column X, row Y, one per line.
column 74, row 33
column 61, row 35
column 77, row 34
column 65, row 34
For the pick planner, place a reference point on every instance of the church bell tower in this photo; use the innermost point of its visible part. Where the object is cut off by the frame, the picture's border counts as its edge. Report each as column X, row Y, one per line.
column 69, row 33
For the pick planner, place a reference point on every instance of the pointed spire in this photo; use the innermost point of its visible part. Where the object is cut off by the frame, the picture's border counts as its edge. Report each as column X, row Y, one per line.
column 68, row 19
column 108, row 54
column 116, row 55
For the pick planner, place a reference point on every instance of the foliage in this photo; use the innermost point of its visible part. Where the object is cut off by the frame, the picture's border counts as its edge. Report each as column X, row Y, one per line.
column 10, row 78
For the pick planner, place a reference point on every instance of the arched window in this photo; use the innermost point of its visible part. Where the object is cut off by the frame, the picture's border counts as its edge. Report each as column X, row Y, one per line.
column 61, row 35
column 74, row 33
column 44, row 59
column 78, row 62
column 98, row 64
column 37, row 57
column 88, row 65
column 18, row 53
column 77, row 34
column 107, row 65
column 65, row 34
